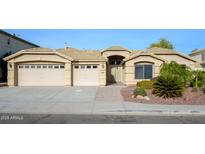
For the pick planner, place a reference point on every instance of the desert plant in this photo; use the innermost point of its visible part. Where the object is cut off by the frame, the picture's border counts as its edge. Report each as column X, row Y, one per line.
column 173, row 69
column 203, row 88
column 139, row 91
column 167, row 87
column 145, row 84
column 198, row 79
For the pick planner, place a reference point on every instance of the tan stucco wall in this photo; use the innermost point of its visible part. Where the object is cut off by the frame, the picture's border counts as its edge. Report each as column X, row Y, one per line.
column 40, row 57
column 197, row 57
column 178, row 59
column 102, row 70
column 129, row 72
column 128, row 68
column 11, row 76
column 34, row 59
column 125, row 54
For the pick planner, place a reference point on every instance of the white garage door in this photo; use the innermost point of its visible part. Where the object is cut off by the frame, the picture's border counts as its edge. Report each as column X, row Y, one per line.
column 40, row 75
column 86, row 75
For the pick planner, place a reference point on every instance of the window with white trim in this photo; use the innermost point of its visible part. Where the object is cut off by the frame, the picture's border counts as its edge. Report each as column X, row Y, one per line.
column 76, row 66
column 62, row 66
column 95, row 66
column 88, row 66
column 20, row 66
column 56, row 67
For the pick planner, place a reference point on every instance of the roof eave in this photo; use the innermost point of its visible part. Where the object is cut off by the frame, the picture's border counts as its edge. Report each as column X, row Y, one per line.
column 151, row 55
column 189, row 58
column 36, row 52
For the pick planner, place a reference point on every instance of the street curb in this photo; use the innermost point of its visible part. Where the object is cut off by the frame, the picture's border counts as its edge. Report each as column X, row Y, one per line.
column 144, row 112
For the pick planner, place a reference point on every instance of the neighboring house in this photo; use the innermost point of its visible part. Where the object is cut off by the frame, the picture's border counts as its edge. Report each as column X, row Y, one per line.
column 73, row 67
column 10, row 44
column 199, row 55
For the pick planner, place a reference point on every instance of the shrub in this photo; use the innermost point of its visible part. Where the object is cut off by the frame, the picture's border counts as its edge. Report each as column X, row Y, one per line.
column 198, row 80
column 167, row 87
column 139, row 91
column 203, row 88
column 145, row 84
column 173, row 69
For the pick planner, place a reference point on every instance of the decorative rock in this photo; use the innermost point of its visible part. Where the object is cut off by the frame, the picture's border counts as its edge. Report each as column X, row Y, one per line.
column 140, row 97
column 133, row 96
column 146, row 98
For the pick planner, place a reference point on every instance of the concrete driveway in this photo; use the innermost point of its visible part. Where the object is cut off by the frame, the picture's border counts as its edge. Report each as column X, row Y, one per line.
column 47, row 99
column 62, row 100
column 81, row 100
column 47, row 94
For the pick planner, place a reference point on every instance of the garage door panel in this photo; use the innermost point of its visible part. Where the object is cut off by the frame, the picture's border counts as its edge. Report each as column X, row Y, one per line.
column 86, row 76
column 37, row 75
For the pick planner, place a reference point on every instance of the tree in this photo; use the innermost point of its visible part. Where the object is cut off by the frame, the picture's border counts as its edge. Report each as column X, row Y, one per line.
column 163, row 43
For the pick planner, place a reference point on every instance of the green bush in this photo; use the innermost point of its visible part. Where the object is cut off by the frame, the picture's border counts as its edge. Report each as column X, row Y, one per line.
column 145, row 84
column 198, row 79
column 167, row 87
column 173, row 69
column 139, row 91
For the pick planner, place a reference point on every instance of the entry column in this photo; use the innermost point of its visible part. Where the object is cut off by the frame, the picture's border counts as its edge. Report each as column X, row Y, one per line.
column 67, row 74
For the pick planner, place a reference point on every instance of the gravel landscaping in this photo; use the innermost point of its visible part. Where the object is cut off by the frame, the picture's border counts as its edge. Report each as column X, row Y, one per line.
column 188, row 98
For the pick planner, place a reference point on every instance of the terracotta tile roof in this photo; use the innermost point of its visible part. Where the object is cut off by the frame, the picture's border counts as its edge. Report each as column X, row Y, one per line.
column 135, row 52
column 77, row 54
column 116, row 48
column 163, row 51
column 38, row 50
column 158, row 50
column 144, row 54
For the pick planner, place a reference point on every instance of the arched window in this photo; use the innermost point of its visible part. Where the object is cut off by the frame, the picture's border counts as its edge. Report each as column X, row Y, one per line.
column 143, row 71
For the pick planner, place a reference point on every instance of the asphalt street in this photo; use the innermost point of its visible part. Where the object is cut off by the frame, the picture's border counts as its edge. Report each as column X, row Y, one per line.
column 99, row 119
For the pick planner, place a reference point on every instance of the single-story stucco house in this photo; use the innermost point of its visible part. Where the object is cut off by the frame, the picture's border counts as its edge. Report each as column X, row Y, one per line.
column 74, row 67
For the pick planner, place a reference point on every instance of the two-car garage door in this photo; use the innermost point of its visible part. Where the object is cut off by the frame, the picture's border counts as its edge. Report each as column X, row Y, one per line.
column 86, row 75
column 41, row 74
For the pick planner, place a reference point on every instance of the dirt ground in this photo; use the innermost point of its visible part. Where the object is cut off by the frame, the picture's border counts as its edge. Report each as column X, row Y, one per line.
column 188, row 98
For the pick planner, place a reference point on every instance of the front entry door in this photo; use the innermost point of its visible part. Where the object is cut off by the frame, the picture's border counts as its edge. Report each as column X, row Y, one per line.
column 115, row 73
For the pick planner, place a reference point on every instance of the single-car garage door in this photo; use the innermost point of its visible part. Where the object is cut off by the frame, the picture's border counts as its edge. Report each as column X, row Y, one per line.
column 86, row 75
column 41, row 75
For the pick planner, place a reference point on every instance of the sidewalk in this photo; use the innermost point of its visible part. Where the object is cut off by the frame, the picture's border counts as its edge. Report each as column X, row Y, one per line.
column 130, row 108
column 134, row 108
column 100, row 108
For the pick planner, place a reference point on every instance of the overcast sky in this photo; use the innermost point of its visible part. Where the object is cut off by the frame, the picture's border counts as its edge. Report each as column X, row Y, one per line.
column 183, row 40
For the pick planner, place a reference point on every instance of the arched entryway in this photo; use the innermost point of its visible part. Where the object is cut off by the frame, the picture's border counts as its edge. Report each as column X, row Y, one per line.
column 115, row 69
